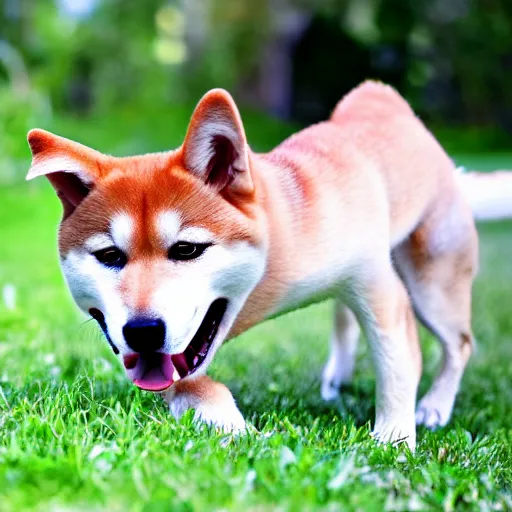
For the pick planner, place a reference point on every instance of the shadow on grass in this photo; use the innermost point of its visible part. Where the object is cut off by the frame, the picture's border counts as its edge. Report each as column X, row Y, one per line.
column 300, row 400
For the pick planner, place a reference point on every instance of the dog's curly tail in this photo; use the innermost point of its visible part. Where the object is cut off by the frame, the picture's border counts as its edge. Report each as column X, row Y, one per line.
column 488, row 193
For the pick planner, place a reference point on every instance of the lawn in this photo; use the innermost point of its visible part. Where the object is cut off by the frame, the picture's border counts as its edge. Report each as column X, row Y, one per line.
column 76, row 435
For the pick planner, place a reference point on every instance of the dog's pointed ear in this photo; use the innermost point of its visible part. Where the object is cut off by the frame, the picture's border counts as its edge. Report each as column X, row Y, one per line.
column 215, row 147
column 71, row 168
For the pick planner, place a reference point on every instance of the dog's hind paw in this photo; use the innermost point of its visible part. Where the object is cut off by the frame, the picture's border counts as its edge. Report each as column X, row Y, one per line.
column 433, row 412
column 335, row 375
column 329, row 392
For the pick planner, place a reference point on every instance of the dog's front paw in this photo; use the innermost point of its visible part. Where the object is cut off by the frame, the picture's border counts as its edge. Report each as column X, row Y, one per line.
column 226, row 418
column 395, row 432
column 213, row 403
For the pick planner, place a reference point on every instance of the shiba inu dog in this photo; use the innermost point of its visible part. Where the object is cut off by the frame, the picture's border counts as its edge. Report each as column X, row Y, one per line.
column 173, row 253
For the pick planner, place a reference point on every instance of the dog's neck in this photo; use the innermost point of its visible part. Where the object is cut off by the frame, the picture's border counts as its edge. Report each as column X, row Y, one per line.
column 291, row 279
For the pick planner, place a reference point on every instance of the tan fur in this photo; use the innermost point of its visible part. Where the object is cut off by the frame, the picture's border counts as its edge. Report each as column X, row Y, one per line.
column 203, row 388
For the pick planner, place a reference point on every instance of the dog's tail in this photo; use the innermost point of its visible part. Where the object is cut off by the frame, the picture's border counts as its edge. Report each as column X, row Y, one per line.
column 489, row 194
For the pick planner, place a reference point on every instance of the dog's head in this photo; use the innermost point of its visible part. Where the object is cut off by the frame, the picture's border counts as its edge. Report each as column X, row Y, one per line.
column 162, row 249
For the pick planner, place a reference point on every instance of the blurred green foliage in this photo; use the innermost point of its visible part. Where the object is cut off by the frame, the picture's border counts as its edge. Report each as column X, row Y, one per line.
column 127, row 69
column 447, row 57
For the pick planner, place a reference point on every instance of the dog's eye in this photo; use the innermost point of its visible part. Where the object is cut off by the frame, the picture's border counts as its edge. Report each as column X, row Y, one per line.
column 111, row 257
column 181, row 251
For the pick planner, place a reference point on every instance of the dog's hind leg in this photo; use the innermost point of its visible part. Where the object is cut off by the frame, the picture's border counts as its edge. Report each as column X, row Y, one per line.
column 344, row 340
column 437, row 264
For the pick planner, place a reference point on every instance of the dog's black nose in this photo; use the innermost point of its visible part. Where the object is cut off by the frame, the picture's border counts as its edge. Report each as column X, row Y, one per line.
column 144, row 334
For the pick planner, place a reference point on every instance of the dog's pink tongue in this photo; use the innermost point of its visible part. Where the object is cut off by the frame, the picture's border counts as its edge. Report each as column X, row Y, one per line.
column 151, row 372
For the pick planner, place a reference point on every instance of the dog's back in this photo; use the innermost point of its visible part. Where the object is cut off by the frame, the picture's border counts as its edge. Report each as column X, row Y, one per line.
column 373, row 138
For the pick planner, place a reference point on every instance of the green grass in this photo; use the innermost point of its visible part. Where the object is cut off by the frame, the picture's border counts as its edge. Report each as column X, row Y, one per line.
column 76, row 435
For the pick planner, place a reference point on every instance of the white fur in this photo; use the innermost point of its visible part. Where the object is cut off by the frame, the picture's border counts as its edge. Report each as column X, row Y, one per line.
column 339, row 369
column 435, row 408
column 196, row 235
column 168, row 226
column 489, row 195
column 46, row 165
column 203, row 151
column 98, row 242
column 314, row 288
column 95, row 286
column 223, row 415
column 121, row 228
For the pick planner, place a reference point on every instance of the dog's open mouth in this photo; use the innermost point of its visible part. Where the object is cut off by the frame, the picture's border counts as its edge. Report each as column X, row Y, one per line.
column 156, row 371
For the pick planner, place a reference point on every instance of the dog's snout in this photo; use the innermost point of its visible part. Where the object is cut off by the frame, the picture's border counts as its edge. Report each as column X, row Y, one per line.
column 144, row 334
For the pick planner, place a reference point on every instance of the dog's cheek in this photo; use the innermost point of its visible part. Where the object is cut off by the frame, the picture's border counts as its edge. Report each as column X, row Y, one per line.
column 91, row 285
column 81, row 282
column 240, row 268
